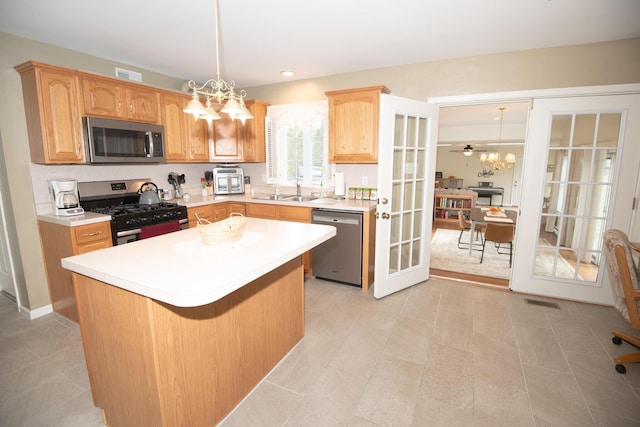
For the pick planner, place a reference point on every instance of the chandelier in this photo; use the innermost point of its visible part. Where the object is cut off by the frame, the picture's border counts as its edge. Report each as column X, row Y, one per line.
column 217, row 90
column 494, row 160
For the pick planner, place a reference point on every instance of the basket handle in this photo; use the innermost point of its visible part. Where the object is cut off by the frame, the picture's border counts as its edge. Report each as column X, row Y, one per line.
column 236, row 214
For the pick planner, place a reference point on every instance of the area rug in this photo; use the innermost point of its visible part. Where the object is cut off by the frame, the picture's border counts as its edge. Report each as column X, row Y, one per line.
column 446, row 256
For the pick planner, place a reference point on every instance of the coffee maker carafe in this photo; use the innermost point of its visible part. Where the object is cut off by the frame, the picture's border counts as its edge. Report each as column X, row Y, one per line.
column 65, row 197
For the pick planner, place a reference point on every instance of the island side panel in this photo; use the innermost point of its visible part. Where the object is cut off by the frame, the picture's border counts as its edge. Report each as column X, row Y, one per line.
column 206, row 359
column 118, row 344
column 231, row 345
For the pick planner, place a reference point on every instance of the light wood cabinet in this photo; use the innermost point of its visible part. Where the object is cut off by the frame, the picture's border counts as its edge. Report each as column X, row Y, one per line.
column 53, row 114
column 240, row 208
column 186, row 140
column 252, row 133
column 60, row 241
column 212, row 213
column 354, row 116
column 112, row 98
column 233, row 141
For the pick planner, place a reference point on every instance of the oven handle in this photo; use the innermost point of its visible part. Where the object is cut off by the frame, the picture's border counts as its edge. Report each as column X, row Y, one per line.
column 135, row 231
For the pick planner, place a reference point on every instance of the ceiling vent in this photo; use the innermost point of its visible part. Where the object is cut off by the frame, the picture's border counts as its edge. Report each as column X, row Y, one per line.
column 128, row 75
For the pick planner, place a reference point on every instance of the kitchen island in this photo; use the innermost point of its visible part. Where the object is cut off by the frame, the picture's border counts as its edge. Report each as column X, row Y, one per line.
column 178, row 333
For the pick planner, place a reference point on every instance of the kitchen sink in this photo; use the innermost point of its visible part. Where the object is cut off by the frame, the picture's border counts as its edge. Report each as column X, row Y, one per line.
column 275, row 197
column 285, row 197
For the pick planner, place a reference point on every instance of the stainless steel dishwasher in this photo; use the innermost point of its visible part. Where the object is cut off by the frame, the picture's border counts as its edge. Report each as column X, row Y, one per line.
column 340, row 258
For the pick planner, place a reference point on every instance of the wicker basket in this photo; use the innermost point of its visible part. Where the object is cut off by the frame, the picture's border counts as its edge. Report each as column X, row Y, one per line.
column 221, row 232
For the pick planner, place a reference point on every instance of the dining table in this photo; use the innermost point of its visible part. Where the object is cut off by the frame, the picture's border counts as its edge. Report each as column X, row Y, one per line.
column 483, row 215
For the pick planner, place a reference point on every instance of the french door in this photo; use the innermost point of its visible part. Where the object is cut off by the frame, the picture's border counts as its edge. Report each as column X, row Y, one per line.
column 580, row 175
column 406, row 164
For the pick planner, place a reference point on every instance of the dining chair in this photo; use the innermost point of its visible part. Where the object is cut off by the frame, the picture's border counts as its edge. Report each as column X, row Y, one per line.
column 466, row 226
column 499, row 234
column 623, row 272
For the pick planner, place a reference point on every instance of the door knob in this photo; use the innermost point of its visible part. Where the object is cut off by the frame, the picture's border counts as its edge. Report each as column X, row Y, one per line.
column 385, row 215
column 384, row 201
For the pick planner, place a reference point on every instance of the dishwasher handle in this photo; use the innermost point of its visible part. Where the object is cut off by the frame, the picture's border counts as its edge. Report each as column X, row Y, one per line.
column 335, row 220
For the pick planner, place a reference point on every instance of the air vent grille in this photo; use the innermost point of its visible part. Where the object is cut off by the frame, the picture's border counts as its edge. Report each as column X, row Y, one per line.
column 541, row 303
column 128, row 75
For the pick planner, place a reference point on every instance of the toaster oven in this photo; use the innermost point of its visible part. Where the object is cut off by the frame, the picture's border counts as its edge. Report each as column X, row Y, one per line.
column 228, row 180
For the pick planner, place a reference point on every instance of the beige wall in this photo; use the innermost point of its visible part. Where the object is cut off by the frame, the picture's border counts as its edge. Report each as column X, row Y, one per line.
column 596, row 64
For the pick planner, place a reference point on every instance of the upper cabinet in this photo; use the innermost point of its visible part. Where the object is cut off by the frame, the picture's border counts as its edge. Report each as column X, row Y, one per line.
column 57, row 98
column 353, row 124
column 252, row 133
column 53, row 113
column 114, row 99
column 234, row 141
column 186, row 139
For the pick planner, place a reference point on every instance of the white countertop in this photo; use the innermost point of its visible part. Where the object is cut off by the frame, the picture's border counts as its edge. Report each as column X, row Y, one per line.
column 325, row 203
column 75, row 220
column 178, row 269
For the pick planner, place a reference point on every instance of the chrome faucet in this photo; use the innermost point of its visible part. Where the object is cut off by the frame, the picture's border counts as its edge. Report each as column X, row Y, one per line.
column 298, row 188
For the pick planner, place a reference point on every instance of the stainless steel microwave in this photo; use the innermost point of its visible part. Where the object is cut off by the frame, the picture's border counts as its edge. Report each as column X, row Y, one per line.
column 119, row 141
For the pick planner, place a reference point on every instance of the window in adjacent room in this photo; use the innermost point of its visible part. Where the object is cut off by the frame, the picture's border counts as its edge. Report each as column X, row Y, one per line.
column 297, row 143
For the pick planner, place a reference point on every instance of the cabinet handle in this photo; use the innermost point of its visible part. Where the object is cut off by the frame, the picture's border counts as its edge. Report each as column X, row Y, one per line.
column 119, row 105
column 131, row 107
column 94, row 233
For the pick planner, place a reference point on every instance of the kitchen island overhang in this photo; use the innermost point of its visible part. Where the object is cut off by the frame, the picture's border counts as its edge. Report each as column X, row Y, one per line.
column 177, row 268
column 184, row 354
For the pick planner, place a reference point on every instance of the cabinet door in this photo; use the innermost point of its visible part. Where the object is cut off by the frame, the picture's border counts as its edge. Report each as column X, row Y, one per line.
column 220, row 212
column 252, row 133
column 237, row 208
column 197, row 138
column 204, row 212
column 353, row 125
column 225, row 133
column 259, row 210
column 143, row 104
column 62, row 124
column 174, row 122
column 102, row 98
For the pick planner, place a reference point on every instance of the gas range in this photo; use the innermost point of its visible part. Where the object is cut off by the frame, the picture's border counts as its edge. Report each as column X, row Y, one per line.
column 130, row 221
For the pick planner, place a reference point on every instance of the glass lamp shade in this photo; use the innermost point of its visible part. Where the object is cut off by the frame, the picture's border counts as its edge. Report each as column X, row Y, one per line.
column 510, row 158
column 195, row 108
column 468, row 150
column 210, row 114
column 232, row 108
column 244, row 114
column 483, row 157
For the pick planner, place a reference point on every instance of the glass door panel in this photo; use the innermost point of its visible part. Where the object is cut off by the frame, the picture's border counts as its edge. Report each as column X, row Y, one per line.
column 581, row 158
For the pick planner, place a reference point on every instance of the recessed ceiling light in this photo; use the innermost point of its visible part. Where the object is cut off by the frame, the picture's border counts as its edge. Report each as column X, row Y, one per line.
column 287, row 73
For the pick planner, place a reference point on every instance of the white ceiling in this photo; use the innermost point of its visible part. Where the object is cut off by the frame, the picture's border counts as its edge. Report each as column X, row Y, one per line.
column 315, row 38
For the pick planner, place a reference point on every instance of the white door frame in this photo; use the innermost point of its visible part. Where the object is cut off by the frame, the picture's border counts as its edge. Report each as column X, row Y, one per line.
column 542, row 94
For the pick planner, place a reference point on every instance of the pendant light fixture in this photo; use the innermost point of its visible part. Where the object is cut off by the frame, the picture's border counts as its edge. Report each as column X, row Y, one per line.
column 468, row 150
column 494, row 160
column 217, row 90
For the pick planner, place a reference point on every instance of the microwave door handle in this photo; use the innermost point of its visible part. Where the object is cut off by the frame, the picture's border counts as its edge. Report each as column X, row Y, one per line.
column 148, row 146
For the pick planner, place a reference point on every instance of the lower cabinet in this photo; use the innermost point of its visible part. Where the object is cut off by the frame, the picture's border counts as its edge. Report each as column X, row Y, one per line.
column 212, row 213
column 60, row 241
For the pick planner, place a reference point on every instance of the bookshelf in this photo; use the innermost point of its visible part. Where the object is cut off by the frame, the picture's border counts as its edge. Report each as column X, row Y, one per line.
column 448, row 205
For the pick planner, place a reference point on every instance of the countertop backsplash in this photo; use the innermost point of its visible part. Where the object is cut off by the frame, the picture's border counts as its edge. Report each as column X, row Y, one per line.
column 355, row 175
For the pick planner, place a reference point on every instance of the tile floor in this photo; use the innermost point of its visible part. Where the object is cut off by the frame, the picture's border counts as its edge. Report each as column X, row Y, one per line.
column 438, row 354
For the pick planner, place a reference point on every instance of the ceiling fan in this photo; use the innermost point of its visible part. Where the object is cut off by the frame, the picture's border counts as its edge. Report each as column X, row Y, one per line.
column 468, row 149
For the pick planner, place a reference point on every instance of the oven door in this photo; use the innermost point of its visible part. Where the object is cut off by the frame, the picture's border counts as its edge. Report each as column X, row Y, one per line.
column 129, row 236
column 228, row 183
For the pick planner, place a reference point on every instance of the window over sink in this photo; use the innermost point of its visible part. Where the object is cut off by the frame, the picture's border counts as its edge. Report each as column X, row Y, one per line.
column 297, row 144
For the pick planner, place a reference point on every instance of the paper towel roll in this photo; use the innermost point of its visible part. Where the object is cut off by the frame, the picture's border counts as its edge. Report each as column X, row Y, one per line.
column 339, row 183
